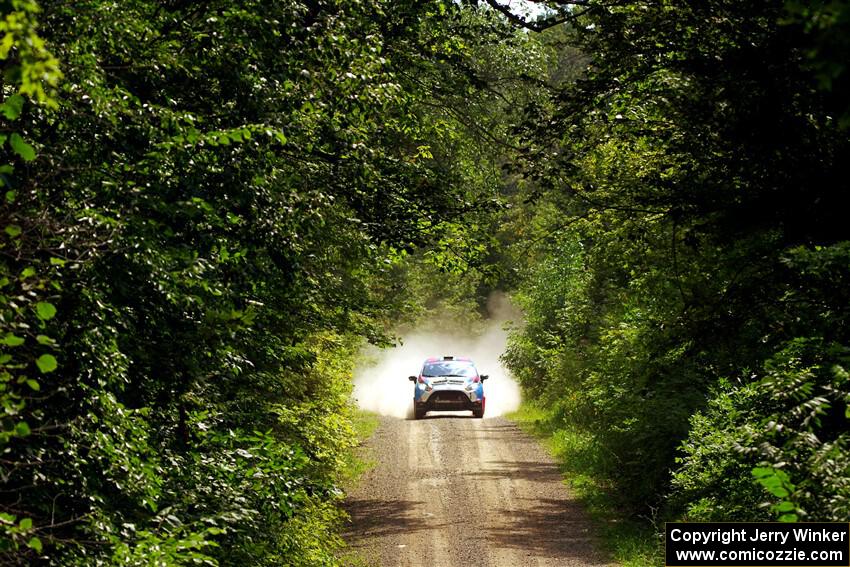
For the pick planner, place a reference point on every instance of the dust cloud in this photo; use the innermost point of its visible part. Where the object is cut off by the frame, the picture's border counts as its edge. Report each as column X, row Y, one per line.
column 381, row 384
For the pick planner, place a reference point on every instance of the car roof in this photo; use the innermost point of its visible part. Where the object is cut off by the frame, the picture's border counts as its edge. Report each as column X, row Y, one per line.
column 448, row 358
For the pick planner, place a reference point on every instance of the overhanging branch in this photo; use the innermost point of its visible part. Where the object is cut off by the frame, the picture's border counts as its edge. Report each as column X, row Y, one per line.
column 544, row 24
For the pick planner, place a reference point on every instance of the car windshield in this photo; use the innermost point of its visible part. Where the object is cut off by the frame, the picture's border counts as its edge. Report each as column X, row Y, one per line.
column 449, row 368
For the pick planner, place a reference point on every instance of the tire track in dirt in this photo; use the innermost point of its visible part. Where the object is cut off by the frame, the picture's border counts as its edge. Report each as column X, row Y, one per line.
column 451, row 490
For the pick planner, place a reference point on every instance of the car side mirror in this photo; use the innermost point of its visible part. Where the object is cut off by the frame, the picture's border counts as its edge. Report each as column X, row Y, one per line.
column 484, row 377
column 412, row 378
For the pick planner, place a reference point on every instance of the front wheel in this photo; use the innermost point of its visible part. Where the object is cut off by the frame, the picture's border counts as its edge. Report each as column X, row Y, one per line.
column 479, row 413
column 418, row 413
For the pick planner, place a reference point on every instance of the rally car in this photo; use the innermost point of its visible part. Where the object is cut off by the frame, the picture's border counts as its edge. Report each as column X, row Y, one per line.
column 449, row 383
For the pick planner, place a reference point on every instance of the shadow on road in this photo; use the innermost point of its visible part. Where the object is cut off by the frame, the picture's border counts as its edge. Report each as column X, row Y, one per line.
column 548, row 528
column 531, row 471
column 381, row 517
column 376, row 518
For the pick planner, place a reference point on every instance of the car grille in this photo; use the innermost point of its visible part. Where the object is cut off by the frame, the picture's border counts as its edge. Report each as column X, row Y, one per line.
column 450, row 397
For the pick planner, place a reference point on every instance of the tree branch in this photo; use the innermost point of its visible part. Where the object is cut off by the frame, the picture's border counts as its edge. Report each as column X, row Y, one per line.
column 549, row 22
column 533, row 26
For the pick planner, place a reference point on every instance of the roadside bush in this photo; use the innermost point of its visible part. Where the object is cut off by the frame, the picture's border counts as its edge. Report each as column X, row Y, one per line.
column 793, row 420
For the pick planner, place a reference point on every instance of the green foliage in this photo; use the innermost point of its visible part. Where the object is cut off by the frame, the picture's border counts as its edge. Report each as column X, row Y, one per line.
column 789, row 425
column 206, row 212
column 776, row 482
column 29, row 65
column 685, row 274
column 29, row 72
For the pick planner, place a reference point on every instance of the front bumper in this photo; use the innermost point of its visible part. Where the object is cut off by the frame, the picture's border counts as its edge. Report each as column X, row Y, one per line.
column 449, row 400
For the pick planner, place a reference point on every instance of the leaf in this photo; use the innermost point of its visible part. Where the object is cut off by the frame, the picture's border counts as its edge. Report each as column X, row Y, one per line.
column 45, row 310
column 26, row 523
column 12, row 107
column 6, row 45
column 22, row 429
column 20, row 147
column 34, row 386
column 788, row 518
column 13, row 230
column 35, row 544
column 785, row 506
column 44, row 340
column 12, row 340
column 46, row 363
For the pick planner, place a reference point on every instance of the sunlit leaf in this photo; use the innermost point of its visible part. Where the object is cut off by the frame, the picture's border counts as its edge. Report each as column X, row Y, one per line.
column 46, row 363
column 20, row 147
column 45, row 310
column 12, row 340
column 35, row 544
column 12, row 107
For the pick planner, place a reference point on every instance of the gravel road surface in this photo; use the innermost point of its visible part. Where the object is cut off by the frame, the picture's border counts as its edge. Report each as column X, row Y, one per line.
column 454, row 491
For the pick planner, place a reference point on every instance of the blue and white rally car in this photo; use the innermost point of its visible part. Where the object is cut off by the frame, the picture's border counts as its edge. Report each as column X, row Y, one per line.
column 449, row 383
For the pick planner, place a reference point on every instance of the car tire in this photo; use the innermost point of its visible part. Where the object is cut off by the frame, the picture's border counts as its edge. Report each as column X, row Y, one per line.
column 479, row 413
column 418, row 413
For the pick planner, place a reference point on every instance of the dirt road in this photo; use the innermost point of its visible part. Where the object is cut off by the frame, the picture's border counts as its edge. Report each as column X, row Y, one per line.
column 454, row 491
